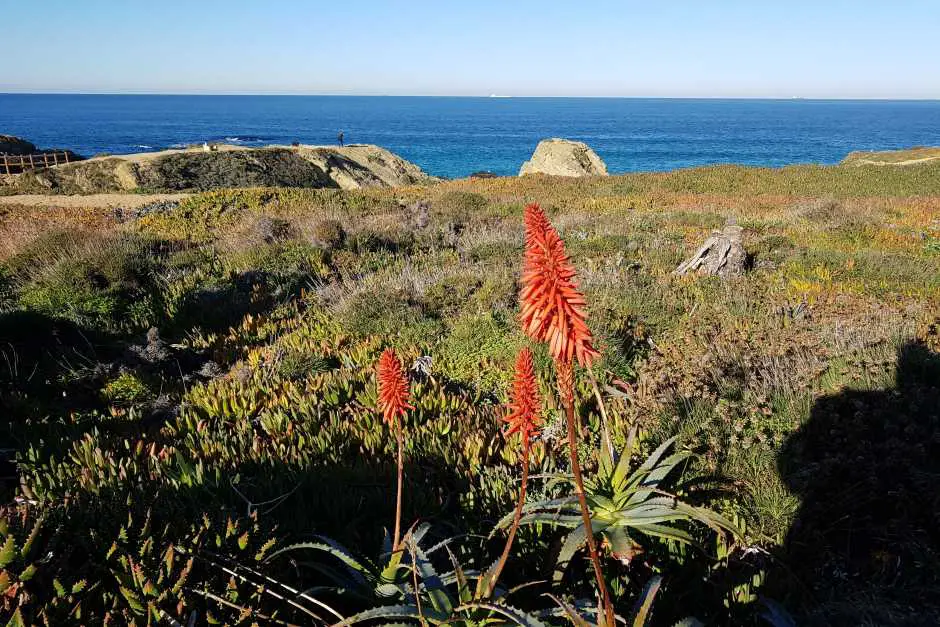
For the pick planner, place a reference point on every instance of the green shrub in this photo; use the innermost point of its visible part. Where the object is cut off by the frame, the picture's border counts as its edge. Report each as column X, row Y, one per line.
column 393, row 314
column 461, row 205
column 479, row 350
column 125, row 390
column 329, row 234
column 108, row 284
column 447, row 297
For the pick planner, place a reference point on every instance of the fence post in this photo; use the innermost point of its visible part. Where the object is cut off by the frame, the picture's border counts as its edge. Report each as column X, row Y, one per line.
column 31, row 164
column 6, row 164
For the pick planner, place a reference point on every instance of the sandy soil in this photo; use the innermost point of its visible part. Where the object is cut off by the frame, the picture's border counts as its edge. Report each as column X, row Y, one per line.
column 96, row 201
column 904, row 162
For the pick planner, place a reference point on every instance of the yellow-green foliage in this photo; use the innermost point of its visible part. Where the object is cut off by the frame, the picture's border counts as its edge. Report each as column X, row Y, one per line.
column 125, row 389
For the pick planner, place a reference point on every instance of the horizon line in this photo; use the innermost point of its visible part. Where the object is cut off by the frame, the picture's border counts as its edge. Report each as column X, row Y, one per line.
column 493, row 96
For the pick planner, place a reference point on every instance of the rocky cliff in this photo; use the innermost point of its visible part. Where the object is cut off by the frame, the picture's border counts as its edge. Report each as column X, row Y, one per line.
column 351, row 167
column 563, row 157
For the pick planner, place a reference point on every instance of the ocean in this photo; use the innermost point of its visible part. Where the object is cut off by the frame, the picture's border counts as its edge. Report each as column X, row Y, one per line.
column 454, row 137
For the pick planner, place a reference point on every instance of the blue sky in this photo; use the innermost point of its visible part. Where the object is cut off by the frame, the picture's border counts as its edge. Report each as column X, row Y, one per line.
column 669, row 48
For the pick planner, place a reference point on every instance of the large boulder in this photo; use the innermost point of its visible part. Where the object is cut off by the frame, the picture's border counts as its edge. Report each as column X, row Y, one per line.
column 563, row 157
column 10, row 145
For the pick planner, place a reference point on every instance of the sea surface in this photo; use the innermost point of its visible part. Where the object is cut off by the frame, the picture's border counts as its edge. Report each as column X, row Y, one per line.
column 454, row 137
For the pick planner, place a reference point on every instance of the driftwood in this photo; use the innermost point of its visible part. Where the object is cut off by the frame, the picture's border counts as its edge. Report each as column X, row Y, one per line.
column 722, row 255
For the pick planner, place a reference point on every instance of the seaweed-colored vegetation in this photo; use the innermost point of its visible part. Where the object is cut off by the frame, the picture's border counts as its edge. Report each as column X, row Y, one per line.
column 192, row 424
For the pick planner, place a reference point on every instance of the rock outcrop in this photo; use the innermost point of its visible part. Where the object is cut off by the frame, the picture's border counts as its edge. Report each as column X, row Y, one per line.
column 563, row 157
column 362, row 165
column 721, row 255
column 16, row 146
column 350, row 167
column 10, row 145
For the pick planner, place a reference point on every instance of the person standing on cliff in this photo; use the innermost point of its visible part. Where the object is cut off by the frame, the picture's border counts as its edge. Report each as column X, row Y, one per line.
column 339, row 139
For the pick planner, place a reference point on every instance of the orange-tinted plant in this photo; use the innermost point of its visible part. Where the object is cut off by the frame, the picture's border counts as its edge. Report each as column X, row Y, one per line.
column 553, row 311
column 393, row 401
column 524, row 418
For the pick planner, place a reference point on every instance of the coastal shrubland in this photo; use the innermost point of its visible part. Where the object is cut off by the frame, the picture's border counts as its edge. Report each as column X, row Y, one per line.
column 192, row 391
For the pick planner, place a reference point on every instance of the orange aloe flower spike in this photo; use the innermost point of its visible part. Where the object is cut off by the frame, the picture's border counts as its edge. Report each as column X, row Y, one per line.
column 524, row 415
column 393, row 387
column 553, row 309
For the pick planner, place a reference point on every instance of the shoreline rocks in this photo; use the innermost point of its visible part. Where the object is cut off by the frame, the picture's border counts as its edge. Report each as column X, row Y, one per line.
column 563, row 157
column 17, row 146
column 10, row 145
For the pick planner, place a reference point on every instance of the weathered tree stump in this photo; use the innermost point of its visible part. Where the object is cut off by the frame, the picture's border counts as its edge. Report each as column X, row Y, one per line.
column 721, row 255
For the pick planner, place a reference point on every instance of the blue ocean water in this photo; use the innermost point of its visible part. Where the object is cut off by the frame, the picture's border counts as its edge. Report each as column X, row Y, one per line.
column 454, row 137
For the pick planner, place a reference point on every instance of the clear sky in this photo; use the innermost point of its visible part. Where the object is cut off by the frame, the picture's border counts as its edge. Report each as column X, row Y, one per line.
column 708, row 48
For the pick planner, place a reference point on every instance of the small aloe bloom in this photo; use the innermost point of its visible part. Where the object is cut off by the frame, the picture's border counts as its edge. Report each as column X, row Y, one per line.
column 524, row 404
column 393, row 387
column 553, row 309
column 523, row 418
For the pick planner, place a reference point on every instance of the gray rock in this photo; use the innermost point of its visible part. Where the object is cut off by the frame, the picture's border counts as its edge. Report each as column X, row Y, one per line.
column 721, row 255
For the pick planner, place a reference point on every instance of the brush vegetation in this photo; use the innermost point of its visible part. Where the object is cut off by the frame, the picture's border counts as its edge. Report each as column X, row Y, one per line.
column 191, row 392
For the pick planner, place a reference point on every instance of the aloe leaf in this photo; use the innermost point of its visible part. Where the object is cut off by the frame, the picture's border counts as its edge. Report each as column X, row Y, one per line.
column 645, row 603
column 539, row 506
column 331, row 547
column 517, row 616
column 430, row 581
column 463, row 587
column 573, row 541
column 667, row 532
column 619, row 476
column 655, row 456
column 389, row 611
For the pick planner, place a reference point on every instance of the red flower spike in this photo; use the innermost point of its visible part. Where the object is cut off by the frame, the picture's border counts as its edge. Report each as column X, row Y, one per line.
column 552, row 306
column 393, row 387
column 524, row 405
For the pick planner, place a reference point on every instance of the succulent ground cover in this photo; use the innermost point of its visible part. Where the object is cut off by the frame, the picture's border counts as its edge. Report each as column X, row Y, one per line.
column 192, row 391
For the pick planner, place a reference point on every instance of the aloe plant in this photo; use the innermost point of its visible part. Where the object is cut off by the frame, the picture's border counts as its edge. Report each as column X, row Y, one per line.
column 628, row 505
column 404, row 585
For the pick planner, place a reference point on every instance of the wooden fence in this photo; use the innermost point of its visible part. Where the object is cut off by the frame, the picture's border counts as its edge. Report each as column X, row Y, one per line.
column 15, row 164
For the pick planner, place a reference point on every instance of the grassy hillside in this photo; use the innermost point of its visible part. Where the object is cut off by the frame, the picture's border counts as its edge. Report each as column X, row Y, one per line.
column 191, row 389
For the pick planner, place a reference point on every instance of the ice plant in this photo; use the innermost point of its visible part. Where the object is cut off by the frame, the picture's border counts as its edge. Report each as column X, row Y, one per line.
column 393, row 401
column 524, row 418
column 553, row 311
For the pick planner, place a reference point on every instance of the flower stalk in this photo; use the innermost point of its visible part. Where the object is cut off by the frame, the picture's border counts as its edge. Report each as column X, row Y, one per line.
column 553, row 312
column 393, row 401
column 566, row 391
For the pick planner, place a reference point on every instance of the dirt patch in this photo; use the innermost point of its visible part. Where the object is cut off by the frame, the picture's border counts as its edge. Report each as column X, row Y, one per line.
column 90, row 201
